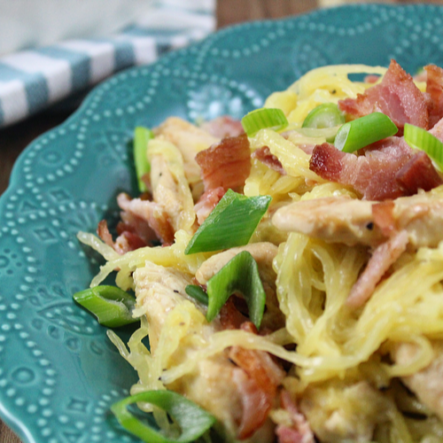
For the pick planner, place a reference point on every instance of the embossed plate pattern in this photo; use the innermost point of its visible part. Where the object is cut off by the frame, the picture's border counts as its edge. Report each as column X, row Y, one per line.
column 58, row 371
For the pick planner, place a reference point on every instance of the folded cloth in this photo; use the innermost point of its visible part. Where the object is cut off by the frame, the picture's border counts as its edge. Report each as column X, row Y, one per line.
column 33, row 79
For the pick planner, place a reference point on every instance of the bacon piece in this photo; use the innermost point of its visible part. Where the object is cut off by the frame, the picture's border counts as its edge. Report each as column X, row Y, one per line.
column 372, row 78
column 396, row 96
column 104, row 234
column 387, row 170
column 254, row 404
column 434, row 89
column 259, row 376
column 384, row 218
column 207, row 202
column 146, row 214
column 136, row 226
column 328, row 162
column 248, row 326
column 230, row 316
column 125, row 242
column 128, row 241
column 224, row 126
column 418, row 173
column 271, row 161
column 300, row 432
column 227, row 164
column 382, row 258
column 437, row 130
column 264, row 375
column 372, row 174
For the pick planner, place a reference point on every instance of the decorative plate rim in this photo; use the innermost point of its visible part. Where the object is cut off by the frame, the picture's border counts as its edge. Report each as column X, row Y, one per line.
column 16, row 421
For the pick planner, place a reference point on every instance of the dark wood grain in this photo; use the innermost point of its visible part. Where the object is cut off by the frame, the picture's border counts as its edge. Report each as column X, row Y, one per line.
column 234, row 11
column 15, row 138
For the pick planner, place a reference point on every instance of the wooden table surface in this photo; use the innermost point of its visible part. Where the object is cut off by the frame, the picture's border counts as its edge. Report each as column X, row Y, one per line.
column 14, row 139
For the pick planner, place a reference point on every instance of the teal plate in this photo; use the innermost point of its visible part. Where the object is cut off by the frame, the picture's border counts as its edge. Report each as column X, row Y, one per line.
column 58, row 372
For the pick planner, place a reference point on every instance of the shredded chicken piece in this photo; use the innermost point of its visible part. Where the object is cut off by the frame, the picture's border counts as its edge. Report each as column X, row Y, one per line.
column 388, row 227
column 300, row 430
column 334, row 219
column 350, row 221
column 383, row 214
column 166, row 192
column 340, row 412
column 426, row 384
column 159, row 291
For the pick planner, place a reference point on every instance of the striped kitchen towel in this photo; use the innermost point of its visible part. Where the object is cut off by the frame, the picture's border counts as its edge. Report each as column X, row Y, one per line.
column 33, row 79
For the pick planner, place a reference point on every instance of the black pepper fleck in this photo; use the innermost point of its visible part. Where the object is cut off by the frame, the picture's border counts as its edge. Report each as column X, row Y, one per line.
column 370, row 226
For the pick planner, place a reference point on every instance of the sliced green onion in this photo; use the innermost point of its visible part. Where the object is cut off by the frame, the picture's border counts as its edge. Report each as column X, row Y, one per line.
column 363, row 131
column 327, row 133
column 112, row 306
column 421, row 139
column 197, row 292
column 326, row 115
column 192, row 420
column 141, row 138
column 264, row 118
column 231, row 223
column 239, row 274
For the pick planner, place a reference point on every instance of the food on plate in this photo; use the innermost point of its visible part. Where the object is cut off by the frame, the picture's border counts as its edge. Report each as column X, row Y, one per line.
column 287, row 269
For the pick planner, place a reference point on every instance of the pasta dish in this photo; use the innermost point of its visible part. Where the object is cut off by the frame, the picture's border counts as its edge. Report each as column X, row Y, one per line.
column 287, row 269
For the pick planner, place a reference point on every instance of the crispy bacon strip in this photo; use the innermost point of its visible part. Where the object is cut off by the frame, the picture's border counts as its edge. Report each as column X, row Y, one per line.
column 437, row 130
column 372, row 174
column 104, row 234
column 264, row 375
column 207, row 202
column 260, row 375
column 271, row 161
column 227, row 164
column 382, row 258
column 387, row 170
column 128, row 241
column 230, row 316
column 146, row 214
column 396, row 96
column 372, row 78
column 300, row 431
column 125, row 242
column 418, row 173
column 434, row 89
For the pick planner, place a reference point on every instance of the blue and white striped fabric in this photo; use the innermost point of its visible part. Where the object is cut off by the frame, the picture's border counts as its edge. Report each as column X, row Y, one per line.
column 33, row 79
